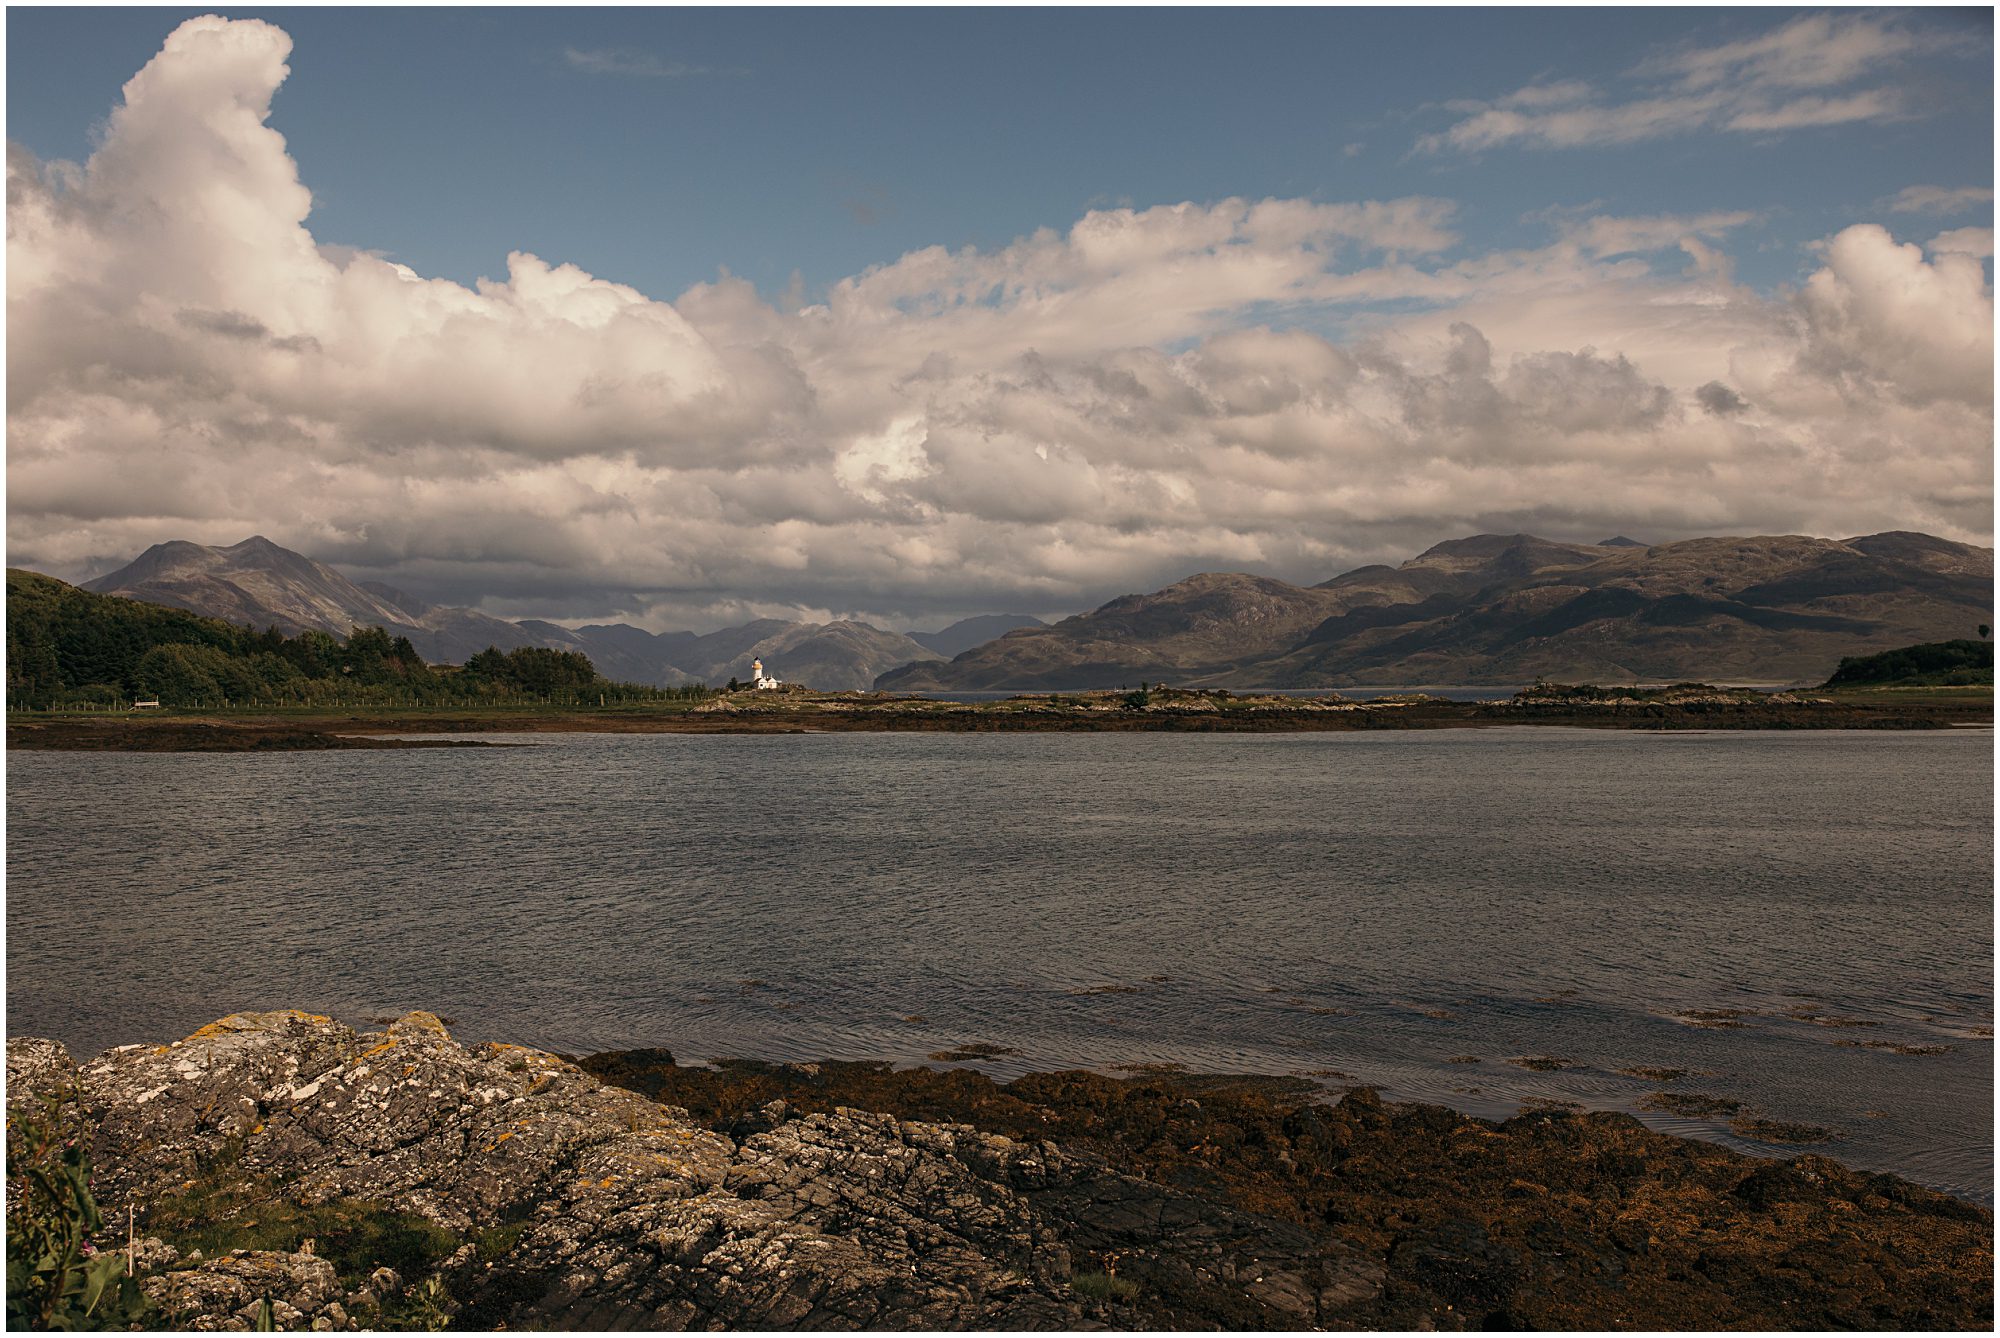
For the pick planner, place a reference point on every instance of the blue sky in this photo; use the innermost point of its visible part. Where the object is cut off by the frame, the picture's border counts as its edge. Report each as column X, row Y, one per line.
column 1086, row 300
column 825, row 141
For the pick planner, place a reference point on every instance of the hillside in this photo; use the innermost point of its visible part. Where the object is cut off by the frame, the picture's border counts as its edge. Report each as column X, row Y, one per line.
column 832, row 657
column 260, row 584
column 73, row 648
column 966, row 633
column 1506, row 609
column 1189, row 628
column 1766, row 609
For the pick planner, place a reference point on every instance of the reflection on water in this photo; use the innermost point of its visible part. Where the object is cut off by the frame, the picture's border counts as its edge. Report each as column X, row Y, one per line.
column 1375, row 906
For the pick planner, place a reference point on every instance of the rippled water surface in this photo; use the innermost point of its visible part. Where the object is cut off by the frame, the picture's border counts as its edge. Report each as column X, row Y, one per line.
column 1355, row 907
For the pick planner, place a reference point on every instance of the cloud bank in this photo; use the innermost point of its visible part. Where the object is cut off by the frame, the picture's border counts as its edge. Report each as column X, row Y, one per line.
column 1284, row 385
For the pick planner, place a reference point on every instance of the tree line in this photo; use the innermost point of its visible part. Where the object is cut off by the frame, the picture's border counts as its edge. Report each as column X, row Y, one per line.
column 71, row 648
column 1934, row 664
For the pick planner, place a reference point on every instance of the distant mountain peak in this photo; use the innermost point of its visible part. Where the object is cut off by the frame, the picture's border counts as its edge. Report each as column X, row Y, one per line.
column 968, row 633
column 264, row 584
column 1502, row 555
column 1621, row 542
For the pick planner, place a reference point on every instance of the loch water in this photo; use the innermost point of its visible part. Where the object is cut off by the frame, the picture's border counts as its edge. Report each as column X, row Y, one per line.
column 1417, row 911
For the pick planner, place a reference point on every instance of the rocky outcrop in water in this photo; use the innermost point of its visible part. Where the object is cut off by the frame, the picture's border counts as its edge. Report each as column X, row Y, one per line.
column 527, row 1193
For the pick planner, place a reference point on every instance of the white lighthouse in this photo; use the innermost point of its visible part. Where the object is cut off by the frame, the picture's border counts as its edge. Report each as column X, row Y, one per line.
column 757, row 677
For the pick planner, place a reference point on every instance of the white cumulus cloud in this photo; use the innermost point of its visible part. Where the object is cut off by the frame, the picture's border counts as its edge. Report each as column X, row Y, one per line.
column 1287, row 385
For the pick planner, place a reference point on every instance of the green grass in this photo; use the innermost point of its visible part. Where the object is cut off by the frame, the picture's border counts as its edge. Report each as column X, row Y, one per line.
column 227, row 1209
column 495, row 1242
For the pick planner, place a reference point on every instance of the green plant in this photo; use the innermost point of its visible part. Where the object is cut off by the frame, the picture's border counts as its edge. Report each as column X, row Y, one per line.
column 1104, row 1286
column 495, row 1242
column 425, row 1307
column 226, row 1208
column 56, row 1276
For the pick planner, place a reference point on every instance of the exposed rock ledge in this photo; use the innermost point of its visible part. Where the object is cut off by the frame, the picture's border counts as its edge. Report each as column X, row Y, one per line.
column 564, row 1202
column 634, row 1215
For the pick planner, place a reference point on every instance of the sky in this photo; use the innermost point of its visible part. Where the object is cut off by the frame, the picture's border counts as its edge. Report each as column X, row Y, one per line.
column 680, row 317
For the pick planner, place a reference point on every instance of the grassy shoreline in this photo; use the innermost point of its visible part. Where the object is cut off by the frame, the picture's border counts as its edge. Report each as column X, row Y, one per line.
column 264, row 729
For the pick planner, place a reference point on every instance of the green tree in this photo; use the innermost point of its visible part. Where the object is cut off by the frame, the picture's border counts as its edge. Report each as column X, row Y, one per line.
column 535, row 670
column 314, row 654
column 365, row 658
column 180, row 675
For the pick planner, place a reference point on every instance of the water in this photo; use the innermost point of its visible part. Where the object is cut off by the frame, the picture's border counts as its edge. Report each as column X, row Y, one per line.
column 1371, row 905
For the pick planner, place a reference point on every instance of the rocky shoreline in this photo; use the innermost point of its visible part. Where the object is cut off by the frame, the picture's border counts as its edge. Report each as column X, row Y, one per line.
column 1173, row 710
column 396, row 1177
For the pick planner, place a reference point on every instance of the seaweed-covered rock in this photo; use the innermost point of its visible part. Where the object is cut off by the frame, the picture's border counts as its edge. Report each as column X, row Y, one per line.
column 1554, row 1220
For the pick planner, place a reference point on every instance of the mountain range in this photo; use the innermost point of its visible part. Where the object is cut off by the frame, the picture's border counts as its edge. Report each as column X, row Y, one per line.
column 1485, row 610
column 1505, row 609
column 264, row 585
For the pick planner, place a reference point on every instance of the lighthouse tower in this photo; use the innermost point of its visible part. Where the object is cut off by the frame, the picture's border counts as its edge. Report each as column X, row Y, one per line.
column 757, row 676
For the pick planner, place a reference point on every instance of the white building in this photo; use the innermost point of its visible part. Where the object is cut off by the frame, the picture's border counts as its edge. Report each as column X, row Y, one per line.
column 757, row 677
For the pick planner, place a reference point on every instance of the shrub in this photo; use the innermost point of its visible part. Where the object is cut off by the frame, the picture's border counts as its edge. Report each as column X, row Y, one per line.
column 1104, row 1286
column 57, row 1278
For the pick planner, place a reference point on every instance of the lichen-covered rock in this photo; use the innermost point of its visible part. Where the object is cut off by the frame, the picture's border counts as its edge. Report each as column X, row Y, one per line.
column 36, row 1065
column 587, row 1206
column 230, row 1293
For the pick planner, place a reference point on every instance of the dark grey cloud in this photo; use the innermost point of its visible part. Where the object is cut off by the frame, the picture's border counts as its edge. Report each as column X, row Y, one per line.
column 1720, row 400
